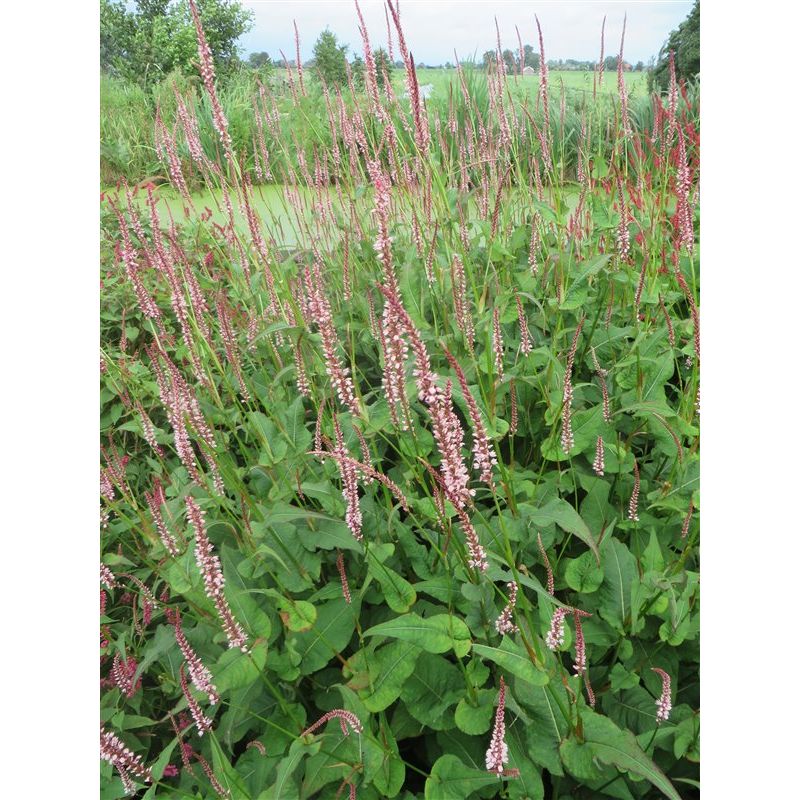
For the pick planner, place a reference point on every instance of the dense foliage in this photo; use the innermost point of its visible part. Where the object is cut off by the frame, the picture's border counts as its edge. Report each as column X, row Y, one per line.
column 330, row 59
column 399, row 497
column 146, row 43
column 684, row 42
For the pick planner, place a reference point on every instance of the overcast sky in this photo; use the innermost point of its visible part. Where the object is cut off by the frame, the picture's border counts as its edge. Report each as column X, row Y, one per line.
column 434, row 28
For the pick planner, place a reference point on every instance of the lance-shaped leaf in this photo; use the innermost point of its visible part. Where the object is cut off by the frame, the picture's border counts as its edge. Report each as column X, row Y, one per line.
column 434, row 634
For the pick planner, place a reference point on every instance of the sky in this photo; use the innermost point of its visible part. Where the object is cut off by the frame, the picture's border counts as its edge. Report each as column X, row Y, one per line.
column 434, row 28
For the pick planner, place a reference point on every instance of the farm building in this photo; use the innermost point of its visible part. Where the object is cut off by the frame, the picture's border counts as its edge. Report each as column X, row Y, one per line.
column 528, row 71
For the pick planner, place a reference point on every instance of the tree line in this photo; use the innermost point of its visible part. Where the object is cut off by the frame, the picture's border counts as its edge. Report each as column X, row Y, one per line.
column 147, row 42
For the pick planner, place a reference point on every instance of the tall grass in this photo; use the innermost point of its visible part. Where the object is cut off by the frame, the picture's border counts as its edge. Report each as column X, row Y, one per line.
column 127, row 119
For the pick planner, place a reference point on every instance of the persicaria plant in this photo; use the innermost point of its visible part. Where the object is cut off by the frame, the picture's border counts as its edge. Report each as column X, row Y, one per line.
column 399, row 481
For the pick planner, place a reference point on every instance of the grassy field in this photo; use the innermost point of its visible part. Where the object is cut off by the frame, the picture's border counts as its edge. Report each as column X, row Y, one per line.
column 635, row 82
column 127, row 120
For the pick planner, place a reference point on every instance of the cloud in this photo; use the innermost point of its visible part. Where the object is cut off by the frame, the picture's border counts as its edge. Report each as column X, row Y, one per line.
column 435, row 28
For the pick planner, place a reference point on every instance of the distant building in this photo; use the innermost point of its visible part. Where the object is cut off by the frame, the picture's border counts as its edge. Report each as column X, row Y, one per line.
column 529, row 71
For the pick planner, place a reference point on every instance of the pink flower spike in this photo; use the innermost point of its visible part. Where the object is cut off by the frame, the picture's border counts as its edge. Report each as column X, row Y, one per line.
column 200, row 675
column 349, row 475
column 122, row 672
column 113, row 750
column 298, row 61
column 551, row 586
column 633, row 506
column 599, row 464
column 503, row 624
column 345, row 718
column 213, row 579
column 567, row 437
column 477, row 554
column 555, row 636
column 155, row 500
column 107, row 577
column 580, row 643
column 497, row 754
column 664, row 703
column 212, row 778
column 533, row 250
column 525, row 343
column 687, row 520
column 623, row 93
column 201, row 720
column 497, row 343
column 343, row 576
column 589, row 690
column 219, row 119
column 483, row 455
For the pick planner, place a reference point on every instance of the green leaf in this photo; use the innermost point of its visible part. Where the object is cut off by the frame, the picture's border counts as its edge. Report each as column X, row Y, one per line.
column 294, row 420
column 588, row 268
column 397, row 591
column 547, row 727
column 452, row 779
column 619, row 748
column 328, row 534
column 314, row 529
column 285, row 786
column 298, row 615
column 561, row 513
column 157, row 768
column 514, row 659
column 236, row 670
column 686, row 742
column 383, row 765
column 622, row 679
column 619, row 569
column 528, row 785
column 391, row 667
column 583, row 574
column 330, row 764
column 578, row 758
column 433, row 688
column 652, row 559
column 328, row 636
column 476, row 719
column 435, row 634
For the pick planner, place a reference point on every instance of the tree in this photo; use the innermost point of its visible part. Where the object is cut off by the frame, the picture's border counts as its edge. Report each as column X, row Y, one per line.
column 382, row 64
column 330, row 58
column 610, row 63
column 158, row 36
column 531, row 57
column 260, row 60
column 685, row 42
column 357, row 71
column 117, row 33
column 510, row 61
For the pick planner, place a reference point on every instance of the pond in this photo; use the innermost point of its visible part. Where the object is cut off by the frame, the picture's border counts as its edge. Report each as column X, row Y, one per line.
column 269, row 203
